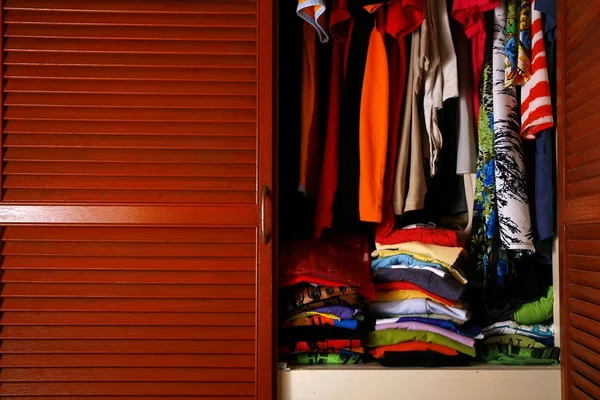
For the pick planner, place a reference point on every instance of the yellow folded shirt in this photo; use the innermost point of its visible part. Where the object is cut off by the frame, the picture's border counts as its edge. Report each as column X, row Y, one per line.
column 442, row 254
column 401, row 294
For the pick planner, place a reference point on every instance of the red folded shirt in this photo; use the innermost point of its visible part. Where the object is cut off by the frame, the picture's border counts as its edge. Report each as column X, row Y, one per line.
column 439, row 236
column 332, row 260
column 383, row 287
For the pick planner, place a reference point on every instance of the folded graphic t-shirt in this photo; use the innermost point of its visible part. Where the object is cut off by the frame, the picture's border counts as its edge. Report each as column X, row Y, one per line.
column 419, row 326
column 417, row 306
column 506, row 354
column 516, row 341
column 324, row 358
column 308, row 298
column 512, row 328
column 393, row 336
column 445, row 287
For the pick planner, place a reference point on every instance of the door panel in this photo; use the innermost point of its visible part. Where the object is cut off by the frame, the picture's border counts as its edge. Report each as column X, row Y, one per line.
column 135, row 231
column 579, row 196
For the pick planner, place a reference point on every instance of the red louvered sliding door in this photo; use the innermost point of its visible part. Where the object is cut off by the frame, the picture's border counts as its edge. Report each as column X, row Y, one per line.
column 136, row 142
column 579, row 197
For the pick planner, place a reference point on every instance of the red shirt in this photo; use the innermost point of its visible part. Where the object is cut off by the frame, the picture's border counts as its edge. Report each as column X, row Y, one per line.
column 470, row 14
column 340, row 26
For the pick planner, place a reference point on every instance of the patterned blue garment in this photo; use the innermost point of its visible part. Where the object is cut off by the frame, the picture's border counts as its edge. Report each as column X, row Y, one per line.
column 490, row 265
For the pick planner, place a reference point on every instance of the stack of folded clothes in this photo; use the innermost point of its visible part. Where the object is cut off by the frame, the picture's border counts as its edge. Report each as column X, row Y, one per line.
column 323, row 285
column 420, row 315
column 526, row 339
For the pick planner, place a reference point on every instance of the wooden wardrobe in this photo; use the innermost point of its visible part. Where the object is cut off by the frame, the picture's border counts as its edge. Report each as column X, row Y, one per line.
column 137, row 198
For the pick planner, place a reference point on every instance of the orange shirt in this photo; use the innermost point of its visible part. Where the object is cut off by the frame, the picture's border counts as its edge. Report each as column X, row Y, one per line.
column 403, row 17
column 379, row 352
column 309, row 122
column 374, row 117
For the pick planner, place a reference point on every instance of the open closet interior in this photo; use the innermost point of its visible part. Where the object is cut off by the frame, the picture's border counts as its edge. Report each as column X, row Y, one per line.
column 417, row 183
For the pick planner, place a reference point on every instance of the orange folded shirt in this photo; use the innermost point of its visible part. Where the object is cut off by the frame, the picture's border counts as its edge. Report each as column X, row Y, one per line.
column 388, row 286
column 379, row 352
column 311, row 320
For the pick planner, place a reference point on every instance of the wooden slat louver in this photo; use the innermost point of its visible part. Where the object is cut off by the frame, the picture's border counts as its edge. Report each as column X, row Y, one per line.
column 579, row 195
column 135, row 137
column 147, row 111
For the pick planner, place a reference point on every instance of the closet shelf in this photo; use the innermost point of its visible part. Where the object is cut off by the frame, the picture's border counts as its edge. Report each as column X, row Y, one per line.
column 372, row 381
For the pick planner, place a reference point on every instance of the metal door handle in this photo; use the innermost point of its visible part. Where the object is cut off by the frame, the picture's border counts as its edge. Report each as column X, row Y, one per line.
column 263, row 227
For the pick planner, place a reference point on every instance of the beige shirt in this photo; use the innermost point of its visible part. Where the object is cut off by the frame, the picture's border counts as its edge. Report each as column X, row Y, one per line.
column 409, row 191
column 441, row 81
column 466, row 160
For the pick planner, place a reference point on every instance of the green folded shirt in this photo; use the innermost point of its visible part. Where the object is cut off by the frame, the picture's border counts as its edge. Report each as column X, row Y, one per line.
column 537, row 311
column 506, row 354
column 388, row 337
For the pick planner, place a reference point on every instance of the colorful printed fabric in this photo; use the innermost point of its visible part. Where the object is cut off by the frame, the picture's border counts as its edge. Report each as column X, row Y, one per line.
column 324, row 346
column 487, row 267
column 506, row 354
column 308, row 298
column 514, row 219
column 517, row 50
column 394, row 336
column 324, row 358
column 536, row 331
column 536, row 101
column 379, row 352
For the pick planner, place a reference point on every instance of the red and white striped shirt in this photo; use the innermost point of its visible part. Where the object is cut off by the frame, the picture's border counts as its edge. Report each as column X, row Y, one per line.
column 536, row 103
